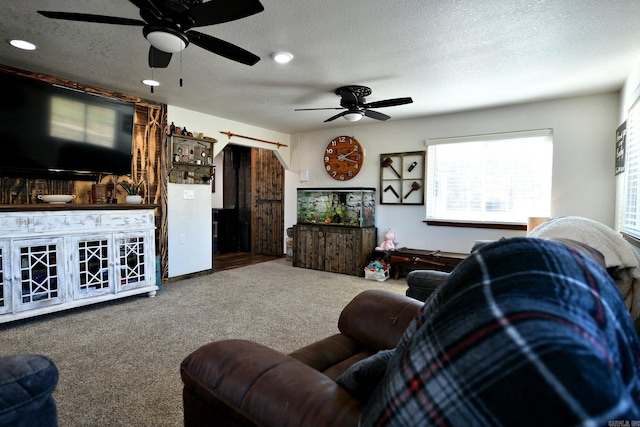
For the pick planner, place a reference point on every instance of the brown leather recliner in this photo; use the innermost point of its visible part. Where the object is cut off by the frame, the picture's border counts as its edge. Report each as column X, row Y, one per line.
column 242, row 383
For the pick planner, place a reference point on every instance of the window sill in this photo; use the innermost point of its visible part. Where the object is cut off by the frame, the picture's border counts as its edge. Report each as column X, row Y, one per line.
column 474, row 224
column 631, row 238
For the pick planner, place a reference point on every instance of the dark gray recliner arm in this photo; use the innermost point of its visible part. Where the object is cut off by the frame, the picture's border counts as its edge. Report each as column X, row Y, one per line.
column 422, row 283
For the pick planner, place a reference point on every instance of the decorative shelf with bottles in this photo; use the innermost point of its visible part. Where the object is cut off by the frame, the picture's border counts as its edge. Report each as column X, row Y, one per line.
column 191, row 160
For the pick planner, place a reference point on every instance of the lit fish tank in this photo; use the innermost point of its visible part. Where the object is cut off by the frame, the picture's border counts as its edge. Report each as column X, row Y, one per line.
column 351, row 207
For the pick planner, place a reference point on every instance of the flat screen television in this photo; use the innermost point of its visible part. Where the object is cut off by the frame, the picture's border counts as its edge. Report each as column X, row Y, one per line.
column 48, row 129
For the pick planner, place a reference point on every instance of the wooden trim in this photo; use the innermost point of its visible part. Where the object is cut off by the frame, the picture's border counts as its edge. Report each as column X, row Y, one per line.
column 35, row 207
column 471, row 224
column 79, row 86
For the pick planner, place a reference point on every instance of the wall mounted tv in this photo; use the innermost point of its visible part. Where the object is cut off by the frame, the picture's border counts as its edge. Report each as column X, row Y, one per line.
column 48, row 129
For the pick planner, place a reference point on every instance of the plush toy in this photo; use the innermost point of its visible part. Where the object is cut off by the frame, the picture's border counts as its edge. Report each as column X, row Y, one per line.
column 375, row 266
column 377, row 269
column 387, row 244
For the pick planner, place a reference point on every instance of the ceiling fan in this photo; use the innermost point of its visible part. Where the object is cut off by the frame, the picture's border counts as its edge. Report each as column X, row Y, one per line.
column 167, row 26
column 355, row 106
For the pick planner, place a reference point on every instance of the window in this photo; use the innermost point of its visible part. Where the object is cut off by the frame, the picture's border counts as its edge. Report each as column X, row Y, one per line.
column 630, row 222
column 500, row 178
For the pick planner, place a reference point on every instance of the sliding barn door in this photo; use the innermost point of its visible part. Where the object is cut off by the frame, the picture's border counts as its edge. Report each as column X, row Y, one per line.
column 267, row 195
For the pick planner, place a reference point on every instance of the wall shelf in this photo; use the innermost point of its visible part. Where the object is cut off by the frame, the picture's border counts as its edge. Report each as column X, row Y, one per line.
column 402, row 178
column 191, row 160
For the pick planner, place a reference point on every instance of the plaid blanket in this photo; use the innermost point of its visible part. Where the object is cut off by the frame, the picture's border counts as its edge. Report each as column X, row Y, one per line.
column 525, row 332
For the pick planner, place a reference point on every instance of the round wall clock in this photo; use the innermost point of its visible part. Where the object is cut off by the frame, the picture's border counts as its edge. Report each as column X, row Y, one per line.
column 343, row 158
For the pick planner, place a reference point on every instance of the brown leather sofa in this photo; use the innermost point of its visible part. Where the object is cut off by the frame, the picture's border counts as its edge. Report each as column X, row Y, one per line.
column 242, row 383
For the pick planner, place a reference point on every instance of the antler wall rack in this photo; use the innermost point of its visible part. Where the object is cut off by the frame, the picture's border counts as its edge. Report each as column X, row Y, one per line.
column 278, row 144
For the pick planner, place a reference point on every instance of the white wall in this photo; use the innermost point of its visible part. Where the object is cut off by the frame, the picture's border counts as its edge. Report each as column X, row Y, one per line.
column 189, row 229
column 583, row 171
column 212, row 126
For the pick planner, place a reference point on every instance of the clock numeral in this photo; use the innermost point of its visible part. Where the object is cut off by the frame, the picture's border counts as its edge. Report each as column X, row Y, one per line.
column 351, row 172
column 342, row 139
column 334, row 173
column 329, row 151
column 356, row 148
column 334, row 143
column 326, row 159
column 356, row 166
column 342, row 177
column 329, row 168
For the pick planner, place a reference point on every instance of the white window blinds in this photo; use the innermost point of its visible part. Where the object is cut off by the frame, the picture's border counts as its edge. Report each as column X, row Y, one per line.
column 631, row 205
column 503, row 178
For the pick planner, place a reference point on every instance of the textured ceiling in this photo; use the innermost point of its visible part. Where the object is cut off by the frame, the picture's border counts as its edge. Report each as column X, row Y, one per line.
column 447, row 55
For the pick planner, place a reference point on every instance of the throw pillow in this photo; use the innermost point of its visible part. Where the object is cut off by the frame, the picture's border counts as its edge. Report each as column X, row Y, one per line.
column 362, row 378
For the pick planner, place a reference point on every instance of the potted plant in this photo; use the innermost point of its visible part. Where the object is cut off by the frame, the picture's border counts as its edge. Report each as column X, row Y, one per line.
column 133, row 191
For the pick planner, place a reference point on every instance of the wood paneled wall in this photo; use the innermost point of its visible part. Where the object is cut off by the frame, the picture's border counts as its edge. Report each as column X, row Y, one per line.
column 149, row 163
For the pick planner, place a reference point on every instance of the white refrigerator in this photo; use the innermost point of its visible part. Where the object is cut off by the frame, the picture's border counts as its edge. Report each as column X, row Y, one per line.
column 189, row 228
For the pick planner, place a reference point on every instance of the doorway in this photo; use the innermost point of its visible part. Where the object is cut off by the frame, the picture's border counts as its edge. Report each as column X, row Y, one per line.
column 251, row 221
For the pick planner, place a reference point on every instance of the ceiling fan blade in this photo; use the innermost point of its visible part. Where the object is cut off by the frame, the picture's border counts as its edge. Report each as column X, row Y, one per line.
column 330, row 119
column 158, row 58
column 376, row 115
column 222, row 48
column 219, row 11
column 313, row 109
column 388, row 103
column 86, row 17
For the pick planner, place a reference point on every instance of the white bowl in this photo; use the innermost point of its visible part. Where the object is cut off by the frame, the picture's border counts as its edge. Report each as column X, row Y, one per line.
column 57, row 198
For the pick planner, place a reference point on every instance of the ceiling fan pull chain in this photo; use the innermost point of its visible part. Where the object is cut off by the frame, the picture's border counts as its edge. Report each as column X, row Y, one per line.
column 180, row 68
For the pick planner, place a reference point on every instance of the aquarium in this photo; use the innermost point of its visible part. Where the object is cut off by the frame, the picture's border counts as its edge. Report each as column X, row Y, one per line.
column 351, row 207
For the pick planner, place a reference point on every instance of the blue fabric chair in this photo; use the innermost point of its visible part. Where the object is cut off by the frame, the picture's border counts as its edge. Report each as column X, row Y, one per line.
column 27, row 382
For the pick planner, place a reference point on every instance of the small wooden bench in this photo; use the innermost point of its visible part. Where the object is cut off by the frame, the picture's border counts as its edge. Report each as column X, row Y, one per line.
column 404, row 260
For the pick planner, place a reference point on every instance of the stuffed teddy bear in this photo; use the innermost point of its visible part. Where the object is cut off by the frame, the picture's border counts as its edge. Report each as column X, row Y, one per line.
column 387, row 244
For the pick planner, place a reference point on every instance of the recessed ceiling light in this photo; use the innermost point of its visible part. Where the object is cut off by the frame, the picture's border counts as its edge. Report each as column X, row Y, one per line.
column 282, row 57
column 150, row 82
column 22, row 44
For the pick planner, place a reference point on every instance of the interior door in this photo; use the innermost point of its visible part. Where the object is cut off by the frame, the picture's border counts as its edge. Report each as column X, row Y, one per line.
column 267, row 217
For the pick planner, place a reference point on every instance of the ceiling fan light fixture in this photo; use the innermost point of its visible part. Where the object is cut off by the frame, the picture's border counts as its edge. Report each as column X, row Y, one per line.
column 353, row 116
column 282, row 57
column 22, row 44
column 166, row 39
column 151, row 82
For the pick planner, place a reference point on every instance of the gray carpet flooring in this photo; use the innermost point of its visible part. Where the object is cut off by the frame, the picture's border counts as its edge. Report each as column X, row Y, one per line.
column 119, row 361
